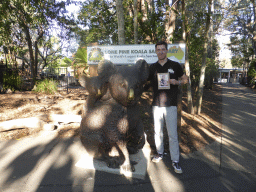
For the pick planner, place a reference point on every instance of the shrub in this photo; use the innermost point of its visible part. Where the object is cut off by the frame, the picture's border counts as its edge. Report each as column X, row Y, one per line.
column 48, row 86
column 252, row 73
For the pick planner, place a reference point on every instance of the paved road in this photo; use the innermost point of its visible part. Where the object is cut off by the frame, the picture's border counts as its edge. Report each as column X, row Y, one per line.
column 47, row 164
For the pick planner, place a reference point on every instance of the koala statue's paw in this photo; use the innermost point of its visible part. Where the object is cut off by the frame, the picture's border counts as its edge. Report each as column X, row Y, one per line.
column 127, row 168
column 113, row 162
column 132, row 150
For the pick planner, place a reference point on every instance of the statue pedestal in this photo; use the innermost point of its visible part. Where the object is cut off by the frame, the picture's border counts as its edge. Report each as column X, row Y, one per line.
column 142, row 158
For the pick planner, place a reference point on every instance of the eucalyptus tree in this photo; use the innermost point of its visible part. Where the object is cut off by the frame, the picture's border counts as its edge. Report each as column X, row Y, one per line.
column 99, row 19
column 120, row 21
column 242, row 51
column 241, row 22
column 152, row 21
column 203, row 67
column 135, row 23
column 33, row 18
column 192, row 20
column 185, row 37
column 99, row 22
column 170, row 18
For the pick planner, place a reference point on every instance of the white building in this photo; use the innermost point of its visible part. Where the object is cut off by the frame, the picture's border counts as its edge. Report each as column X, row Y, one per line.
column 227, row 73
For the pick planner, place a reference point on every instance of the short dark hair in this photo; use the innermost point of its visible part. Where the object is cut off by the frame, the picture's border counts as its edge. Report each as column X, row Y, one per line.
column 161, row 43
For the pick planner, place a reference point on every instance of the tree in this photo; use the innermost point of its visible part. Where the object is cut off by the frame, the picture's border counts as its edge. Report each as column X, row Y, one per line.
column 241, row 21
column 203, row 67
column 135, row 22
column 49, row 50
column 120, row 21
column 170, row 19
column 98, row 18
column 33, row 19
column 187, row 67
column 253, row 27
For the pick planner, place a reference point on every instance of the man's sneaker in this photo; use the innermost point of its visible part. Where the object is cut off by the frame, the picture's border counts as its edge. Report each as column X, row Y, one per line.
column 157, row 158
column 176, row 167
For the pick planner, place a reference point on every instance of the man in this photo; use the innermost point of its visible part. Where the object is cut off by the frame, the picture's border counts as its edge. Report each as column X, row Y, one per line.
column 165, row 103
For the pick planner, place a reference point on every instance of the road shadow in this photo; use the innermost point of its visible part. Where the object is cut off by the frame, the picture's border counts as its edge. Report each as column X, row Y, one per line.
column 197, row 176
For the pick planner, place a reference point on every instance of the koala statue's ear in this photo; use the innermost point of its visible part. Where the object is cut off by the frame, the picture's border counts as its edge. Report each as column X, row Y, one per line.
column 143, row 68
column 105, row 69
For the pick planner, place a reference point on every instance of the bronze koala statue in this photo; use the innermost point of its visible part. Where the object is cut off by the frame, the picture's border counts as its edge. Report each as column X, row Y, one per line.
column 111, row 126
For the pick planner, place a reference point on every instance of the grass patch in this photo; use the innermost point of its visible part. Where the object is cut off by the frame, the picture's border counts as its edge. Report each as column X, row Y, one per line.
column 46, row 86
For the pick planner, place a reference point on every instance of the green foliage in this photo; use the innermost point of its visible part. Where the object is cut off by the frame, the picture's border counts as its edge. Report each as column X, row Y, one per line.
column 25, row 24
column 11, row 80
column 240, row 21
column 151, row 23
column 50, row 52
column 252, row 72
column 195, row 58
column 100, row 20
column 47, row 86
column 99, row 17
column 210, row 72
column 241, row 50
column 65, row 62
column 80, row 58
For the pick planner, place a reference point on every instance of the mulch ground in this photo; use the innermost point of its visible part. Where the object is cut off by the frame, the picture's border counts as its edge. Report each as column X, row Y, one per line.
column 195, row 132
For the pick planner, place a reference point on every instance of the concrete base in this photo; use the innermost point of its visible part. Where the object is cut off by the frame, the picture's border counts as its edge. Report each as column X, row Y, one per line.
column 142, row 158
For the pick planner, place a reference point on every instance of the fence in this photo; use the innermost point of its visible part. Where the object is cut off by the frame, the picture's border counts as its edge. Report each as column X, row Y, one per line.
column 9, row 78
column 64, row 76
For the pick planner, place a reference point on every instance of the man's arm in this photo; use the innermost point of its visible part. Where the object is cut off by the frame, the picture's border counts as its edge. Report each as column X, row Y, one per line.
column 182, row 80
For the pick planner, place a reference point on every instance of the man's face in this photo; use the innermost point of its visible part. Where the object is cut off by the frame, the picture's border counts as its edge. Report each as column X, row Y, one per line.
column 161, row 52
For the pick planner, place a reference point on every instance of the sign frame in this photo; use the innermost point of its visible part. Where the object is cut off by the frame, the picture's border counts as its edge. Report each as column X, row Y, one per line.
column 129, row 54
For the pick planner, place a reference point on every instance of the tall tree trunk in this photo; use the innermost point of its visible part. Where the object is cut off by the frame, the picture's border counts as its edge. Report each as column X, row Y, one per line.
column 144, row 7
column 40, row 35
column 36, row 57
column 170, row 19
column 135, row 22
column 120, row 20
column 150, row 6
column 202, row 72
column 144, row 11
column 31, row 54
column 189, row 89
column 254, row 26
column 187, row 68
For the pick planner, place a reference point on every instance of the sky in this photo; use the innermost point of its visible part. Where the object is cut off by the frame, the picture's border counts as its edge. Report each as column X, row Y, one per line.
column 223, row 39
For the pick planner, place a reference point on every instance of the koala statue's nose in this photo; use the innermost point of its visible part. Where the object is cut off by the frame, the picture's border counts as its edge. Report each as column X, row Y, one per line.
column 131, row 94
column 99, row 92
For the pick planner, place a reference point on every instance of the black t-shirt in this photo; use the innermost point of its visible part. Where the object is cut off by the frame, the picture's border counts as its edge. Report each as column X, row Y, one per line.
column 165, row 97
